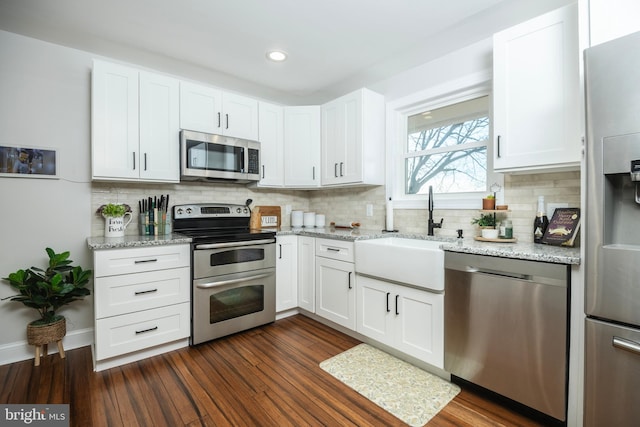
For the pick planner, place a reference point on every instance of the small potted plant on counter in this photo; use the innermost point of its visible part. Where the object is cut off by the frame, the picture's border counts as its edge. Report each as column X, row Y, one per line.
column 114, row 218
column 487, row 225
column 46, row 291
column 489, row 202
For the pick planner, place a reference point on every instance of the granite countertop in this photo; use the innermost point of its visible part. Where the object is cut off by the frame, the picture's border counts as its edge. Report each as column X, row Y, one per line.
column 526, row 251
column 135, row 241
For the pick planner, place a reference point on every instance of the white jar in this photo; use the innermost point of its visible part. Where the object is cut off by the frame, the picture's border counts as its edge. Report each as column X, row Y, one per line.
column 309, row 219
column 296, row 218
column 320, row 220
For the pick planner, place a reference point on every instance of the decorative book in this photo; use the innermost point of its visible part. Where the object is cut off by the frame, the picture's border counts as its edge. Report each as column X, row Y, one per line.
column 563, row 227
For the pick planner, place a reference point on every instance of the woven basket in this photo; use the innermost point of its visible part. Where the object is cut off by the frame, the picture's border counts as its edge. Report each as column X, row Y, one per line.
column 44, row 334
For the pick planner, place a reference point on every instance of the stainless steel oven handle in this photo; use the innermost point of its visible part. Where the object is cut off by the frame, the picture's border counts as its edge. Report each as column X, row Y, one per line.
column 234, row 244
column 232, row 281
column 628, row 345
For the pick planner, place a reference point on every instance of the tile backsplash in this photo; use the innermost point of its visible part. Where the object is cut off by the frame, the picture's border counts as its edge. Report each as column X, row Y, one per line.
column 349, row 204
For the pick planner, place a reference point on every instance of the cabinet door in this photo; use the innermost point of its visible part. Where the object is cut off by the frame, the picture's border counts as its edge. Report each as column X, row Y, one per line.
column 200, row 108
column 307, row 273
column 159, row 128
column 536, row 90
column 240, row 116
column 114, row 122
column 342, row 140
column 271, row 137
column 286, row 273
column 335, row 291
column 419, row 324
column 332, row 126
column 302, row 146
column 374, row 311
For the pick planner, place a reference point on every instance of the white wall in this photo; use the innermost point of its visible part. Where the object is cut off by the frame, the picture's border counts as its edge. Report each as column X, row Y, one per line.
column 44, row 101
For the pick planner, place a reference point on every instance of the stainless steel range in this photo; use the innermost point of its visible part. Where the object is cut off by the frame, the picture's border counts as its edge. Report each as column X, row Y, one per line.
column 233, row 269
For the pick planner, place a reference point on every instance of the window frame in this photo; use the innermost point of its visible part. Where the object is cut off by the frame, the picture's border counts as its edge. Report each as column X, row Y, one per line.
column 398, row 111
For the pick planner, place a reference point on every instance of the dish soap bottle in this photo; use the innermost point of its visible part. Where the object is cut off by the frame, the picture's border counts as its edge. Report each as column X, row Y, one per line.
column 541, row 222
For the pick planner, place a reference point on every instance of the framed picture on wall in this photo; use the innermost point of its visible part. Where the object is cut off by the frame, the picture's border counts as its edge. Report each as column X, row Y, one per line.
column 28, row 162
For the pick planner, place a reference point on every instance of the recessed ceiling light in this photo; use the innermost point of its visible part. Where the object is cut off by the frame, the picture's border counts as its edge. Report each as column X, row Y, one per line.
column 277, row 55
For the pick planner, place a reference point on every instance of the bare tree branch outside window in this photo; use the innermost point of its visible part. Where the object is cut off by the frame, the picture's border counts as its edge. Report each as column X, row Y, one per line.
column 452, row 158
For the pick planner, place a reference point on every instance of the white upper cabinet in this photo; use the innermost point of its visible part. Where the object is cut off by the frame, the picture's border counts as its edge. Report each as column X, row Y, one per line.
column 210, row 110
column 271, row 137
column 134, row 125
column 159, row 127
column 536, row 94
column 302, row 147
column 610, row 19
column 353, row 139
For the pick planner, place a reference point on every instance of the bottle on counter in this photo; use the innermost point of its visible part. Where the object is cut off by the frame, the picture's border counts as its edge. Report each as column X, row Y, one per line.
column 541, row 222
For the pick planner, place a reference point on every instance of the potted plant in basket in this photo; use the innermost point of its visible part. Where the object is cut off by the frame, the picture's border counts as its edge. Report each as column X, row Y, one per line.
column 46, row 291
column 487, row 224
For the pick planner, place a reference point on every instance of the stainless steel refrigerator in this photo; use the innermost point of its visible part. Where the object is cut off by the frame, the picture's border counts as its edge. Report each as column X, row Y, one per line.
column 612, row 304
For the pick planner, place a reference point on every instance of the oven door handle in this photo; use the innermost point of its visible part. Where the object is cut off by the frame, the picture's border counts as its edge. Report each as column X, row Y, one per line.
column 232, row 281
column 235, row 244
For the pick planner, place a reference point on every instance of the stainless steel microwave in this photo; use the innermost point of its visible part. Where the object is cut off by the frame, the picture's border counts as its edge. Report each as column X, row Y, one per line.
column 209, row 157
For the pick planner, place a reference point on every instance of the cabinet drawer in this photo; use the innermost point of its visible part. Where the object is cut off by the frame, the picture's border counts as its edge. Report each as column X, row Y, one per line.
column 111, row 262
column 136, row 331
column 335, row 249
column 115, row 295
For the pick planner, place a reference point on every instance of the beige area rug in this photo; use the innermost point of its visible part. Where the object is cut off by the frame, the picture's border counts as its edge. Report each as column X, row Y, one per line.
column 408, row 392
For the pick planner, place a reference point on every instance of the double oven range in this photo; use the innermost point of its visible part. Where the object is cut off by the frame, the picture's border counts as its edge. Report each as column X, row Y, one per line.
column 232, row 266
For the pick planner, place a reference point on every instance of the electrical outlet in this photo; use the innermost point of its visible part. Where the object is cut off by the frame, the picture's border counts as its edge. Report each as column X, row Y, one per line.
column 551, row 207
column 369, row 209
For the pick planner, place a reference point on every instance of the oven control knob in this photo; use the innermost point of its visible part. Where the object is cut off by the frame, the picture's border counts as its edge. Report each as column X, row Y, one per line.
column 238, row 210
column 245, row 210
column 189, row 211
column 180, row 211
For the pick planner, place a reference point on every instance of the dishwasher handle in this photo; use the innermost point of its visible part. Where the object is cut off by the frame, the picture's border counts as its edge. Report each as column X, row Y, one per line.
column 512, row 275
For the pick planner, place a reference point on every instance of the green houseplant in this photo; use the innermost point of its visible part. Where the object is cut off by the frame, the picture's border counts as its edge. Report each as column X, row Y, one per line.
column 113, row 210
column 46, row 291
column 485, row 220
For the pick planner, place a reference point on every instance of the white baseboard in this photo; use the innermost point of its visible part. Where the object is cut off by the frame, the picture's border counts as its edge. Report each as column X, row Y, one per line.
column 21, row 350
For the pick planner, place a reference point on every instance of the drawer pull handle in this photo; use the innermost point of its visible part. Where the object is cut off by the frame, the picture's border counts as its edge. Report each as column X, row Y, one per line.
column 628, row 345
column 146, row 330
column 142, row 261
column 145, row 292
column 333, row 249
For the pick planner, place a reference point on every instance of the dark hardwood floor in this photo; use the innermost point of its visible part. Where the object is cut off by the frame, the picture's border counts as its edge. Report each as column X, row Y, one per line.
column 263, row 377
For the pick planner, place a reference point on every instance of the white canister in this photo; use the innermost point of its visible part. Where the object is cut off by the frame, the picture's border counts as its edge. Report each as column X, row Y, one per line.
column 309, row 219
column 319, row 220
column 296, row 219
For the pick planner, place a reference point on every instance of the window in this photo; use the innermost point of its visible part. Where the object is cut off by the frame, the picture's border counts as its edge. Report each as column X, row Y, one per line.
column 447, row 148
column 441, row 137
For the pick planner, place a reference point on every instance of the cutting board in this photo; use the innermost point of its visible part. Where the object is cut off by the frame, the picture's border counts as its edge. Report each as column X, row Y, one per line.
column 265, row 217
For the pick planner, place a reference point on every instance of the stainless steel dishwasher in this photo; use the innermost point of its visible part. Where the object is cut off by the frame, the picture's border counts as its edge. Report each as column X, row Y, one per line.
column 506, row 328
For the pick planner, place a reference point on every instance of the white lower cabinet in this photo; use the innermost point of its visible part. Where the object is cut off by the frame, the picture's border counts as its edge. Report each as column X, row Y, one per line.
column 307, row 273
column 407, row 319
column 335, row 282
column 286, row 273
column 142, row 303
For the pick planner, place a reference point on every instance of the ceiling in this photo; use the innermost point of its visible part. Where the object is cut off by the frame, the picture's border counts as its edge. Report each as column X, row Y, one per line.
column 334, row 45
